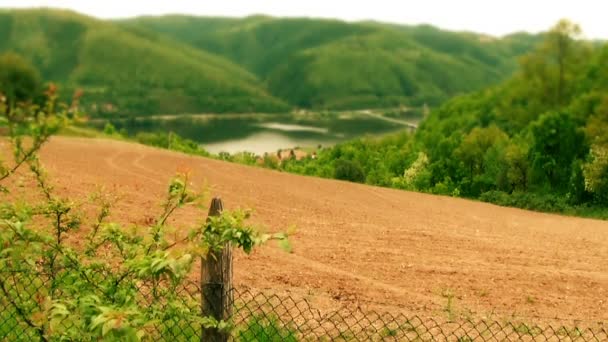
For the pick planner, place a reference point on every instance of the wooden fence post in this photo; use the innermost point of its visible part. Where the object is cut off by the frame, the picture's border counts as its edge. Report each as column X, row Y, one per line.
column 216, row 283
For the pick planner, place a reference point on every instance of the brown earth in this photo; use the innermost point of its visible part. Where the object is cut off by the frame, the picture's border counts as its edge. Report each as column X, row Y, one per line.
column 358, row 245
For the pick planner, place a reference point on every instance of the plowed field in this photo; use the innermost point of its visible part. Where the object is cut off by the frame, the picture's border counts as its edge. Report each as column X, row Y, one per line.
column 367, row 246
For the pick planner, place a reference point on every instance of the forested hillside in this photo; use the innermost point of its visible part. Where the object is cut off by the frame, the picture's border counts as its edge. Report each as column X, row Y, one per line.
column 333, row 64
column 178, row 64
column 127, row 71
column 538, row 140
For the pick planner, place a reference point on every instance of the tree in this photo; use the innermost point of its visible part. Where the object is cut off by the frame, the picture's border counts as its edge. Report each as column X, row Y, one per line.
column 596, row 171
column 597, row 125
column 473, row 148
column 561, row 37
column 552, row 68
column 558, row 142
column 577, row 190
column 19, row 80
column 596, row 174
column 516, row 158
column 417, row 176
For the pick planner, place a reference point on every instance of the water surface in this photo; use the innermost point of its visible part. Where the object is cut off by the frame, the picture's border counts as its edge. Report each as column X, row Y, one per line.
column 263, row 133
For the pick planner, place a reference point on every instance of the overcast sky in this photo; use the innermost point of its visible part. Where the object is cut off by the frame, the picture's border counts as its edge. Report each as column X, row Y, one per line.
column 496, row 17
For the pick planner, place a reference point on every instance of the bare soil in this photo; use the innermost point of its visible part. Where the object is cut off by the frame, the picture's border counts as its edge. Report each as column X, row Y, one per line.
column 365, row 246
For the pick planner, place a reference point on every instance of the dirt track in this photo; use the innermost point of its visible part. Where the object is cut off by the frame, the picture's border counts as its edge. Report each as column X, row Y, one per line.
column 368, row 246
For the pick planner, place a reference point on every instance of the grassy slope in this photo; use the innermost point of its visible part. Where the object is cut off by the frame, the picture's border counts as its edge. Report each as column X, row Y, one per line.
column 135, row 70
column 327, row 63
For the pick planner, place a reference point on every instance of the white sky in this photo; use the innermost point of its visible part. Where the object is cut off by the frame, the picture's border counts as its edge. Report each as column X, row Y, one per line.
column 496, row 17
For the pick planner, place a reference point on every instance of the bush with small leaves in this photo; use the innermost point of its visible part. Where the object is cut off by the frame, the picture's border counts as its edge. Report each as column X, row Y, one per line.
column 117, row 284
column 349, row 171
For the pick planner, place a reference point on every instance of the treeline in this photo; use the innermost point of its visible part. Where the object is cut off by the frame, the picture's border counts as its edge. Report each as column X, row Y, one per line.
column 538, row 141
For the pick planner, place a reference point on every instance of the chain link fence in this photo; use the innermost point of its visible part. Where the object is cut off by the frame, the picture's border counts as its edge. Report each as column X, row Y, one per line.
column 259, row 316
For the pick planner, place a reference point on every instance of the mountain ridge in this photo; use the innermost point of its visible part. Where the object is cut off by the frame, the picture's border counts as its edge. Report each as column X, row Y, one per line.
column 183, row 64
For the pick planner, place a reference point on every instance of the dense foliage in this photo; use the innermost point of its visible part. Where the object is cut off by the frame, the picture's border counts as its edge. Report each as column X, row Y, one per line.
column 68, row 273
column 332, row 64
column 19, row 81
column 538, row 141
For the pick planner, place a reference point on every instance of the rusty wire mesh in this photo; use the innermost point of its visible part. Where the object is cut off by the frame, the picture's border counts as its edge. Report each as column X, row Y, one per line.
column 259, row 316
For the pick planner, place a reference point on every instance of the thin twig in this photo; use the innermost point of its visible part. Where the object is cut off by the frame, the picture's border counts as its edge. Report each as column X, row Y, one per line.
column 25, row 158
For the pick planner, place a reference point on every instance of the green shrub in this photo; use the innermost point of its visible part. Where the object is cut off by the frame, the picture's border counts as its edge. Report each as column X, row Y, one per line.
column 349, row 171
column 107, row 283
column 109, row 129
column 225, row 156
column 270, row 161
column 527, row 200
column 247, row 158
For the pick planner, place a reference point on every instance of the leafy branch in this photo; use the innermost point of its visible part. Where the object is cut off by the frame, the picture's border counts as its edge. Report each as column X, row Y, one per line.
column 122, row 282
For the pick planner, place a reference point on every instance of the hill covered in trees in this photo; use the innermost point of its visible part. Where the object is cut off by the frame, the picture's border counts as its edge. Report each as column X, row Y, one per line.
column 332, row 64
column 128, row 71
column 538, row 140
column 180, row 64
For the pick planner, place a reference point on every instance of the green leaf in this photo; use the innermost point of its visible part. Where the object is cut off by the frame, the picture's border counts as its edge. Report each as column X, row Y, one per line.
column 285, row 245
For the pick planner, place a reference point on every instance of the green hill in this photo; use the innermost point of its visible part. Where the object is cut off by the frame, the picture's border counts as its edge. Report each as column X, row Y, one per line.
column 127, row 70
column 333, row 64
column 181, row 64
column 538, row 140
